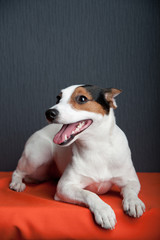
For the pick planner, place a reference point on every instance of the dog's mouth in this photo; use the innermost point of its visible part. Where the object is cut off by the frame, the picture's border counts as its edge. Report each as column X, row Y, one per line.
column 69, row 131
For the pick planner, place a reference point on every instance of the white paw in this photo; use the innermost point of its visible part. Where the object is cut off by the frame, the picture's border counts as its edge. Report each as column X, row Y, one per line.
column 17, row 186
column 56, row 198
column 134, row 207
column 105, row 217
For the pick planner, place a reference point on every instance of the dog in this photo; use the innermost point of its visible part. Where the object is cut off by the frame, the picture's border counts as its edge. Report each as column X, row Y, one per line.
column 84, row 146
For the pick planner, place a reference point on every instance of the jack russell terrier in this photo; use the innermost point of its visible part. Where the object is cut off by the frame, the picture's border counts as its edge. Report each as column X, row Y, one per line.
column 87, row 149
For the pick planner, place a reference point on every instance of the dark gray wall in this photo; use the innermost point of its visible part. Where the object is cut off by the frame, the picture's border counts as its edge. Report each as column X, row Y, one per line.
column 46, row 45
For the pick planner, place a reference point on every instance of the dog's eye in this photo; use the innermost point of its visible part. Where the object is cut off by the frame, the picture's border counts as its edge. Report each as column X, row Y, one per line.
column 81, row 99
column 59, row 98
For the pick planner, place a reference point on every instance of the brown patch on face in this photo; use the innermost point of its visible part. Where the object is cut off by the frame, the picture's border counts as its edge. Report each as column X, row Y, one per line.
column 90, row 105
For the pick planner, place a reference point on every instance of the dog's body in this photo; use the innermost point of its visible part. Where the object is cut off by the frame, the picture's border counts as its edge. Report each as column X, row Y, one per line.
column 96, row 155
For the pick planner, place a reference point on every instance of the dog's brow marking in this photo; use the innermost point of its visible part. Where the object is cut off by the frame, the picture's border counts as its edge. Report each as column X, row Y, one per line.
column 90, row 106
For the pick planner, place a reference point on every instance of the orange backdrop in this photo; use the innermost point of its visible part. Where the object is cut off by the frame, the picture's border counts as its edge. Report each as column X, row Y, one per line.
column 33, row 214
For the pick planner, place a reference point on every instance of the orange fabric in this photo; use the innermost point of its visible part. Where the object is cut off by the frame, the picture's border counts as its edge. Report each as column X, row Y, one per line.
column 33, row 214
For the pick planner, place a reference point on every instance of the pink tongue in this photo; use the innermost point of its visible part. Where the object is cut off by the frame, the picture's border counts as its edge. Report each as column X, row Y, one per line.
column 65, row 130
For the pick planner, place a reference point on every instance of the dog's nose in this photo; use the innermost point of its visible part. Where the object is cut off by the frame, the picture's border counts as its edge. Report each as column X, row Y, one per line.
column 51, row 114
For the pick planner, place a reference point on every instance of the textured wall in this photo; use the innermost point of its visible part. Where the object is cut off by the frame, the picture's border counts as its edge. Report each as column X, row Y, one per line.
column 48, row 45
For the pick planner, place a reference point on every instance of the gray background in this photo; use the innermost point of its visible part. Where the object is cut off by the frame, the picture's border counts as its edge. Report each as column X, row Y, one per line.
column 48, row 45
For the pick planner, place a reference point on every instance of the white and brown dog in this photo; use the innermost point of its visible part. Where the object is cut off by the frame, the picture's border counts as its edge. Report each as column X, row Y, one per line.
column 95, row 155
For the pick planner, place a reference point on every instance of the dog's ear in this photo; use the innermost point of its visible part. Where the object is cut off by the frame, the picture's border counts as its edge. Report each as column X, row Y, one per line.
column 110, row 95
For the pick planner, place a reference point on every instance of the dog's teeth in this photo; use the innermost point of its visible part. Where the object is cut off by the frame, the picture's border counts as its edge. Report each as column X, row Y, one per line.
column 76, row 130
column 79, row 126
column 65, row 137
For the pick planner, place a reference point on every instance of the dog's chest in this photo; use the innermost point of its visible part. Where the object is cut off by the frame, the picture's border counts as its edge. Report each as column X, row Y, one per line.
column 96, row 165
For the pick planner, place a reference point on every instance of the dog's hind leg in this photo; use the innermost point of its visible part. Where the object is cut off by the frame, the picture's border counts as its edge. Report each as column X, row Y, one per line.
column 34, row 162
column 18, row 176
column 132, row 205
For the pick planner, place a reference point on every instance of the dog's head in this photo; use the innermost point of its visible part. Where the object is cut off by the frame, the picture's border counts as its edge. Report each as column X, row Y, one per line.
column 78, row 107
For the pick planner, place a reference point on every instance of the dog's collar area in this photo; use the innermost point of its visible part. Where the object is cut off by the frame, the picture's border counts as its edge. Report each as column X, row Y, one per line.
column 69, row 131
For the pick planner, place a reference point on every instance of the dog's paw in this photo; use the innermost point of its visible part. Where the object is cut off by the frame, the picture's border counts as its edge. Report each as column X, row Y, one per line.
column 134, row 207
column 105, row 217
column 56, row 198
column 17, row 186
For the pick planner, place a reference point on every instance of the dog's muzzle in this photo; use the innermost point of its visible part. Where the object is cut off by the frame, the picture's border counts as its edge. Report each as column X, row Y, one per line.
column 51, row 114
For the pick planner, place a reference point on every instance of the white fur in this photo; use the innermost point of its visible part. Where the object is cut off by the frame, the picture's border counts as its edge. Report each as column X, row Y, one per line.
column 95, row 160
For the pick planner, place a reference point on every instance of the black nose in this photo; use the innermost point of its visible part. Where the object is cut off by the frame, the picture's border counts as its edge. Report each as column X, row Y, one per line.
column 51, row 114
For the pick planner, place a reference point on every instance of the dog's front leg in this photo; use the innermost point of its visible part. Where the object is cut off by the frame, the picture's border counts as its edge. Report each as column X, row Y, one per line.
column 72, row 193
column 132, row 205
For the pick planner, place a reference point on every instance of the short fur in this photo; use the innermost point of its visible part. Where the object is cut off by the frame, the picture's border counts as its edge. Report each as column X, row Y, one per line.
column 96, row 155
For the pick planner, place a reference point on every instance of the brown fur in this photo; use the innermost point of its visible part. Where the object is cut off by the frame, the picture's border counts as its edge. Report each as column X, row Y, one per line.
column 110, row 96
column 90, row 106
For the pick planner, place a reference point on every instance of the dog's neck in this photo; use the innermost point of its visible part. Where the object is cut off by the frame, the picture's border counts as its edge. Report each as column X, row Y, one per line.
column 102, row 132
